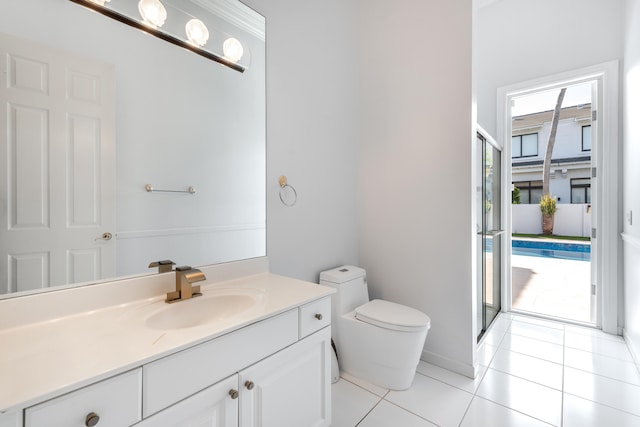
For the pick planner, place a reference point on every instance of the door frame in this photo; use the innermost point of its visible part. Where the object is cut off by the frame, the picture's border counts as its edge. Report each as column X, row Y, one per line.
column 498, row 234
column 608, row 222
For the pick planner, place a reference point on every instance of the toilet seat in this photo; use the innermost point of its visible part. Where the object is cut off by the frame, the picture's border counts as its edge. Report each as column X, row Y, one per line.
column 392, row 316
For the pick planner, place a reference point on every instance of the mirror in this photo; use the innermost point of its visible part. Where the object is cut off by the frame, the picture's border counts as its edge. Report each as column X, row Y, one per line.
column 96, row 113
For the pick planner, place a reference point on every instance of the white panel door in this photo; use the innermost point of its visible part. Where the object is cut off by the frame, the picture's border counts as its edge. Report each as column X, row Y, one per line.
column 57, row 180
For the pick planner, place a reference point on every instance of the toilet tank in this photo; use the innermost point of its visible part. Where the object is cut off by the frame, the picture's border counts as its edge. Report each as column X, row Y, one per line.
column 351, row 285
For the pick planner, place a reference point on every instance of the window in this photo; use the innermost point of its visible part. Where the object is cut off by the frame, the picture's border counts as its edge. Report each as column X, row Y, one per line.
column 586, row 138
column 530, row 191
column 581, row 190
column 524, row 145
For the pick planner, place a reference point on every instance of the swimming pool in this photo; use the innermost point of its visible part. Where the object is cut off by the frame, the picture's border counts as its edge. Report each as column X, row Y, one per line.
column 559, row 250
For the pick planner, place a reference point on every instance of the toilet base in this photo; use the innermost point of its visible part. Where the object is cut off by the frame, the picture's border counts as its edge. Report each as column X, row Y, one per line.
column 382, row 376
column 380, row 356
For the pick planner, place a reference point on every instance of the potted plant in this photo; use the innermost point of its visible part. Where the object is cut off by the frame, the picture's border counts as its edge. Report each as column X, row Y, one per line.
column 548, row 208
column 515, row 196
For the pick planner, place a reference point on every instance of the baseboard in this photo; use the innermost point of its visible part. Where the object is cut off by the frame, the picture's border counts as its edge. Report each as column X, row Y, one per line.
column 456, row 366
column 631, row 345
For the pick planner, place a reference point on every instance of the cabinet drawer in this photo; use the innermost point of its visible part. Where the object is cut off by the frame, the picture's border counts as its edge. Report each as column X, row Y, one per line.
column 11, row 419
column 169, row 380
column 117, row 401
column 315, row 316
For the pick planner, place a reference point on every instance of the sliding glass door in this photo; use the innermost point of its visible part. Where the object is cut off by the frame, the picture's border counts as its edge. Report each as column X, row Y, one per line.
column 489, row 232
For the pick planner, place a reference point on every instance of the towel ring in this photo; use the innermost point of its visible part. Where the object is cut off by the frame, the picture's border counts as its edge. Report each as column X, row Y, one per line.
column 283, row 186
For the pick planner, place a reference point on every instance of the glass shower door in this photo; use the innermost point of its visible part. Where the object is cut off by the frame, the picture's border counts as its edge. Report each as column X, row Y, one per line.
column 490, row 232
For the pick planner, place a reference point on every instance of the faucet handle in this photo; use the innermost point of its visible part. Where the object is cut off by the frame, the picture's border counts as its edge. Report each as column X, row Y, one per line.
column 164, row 266
column 191, row 274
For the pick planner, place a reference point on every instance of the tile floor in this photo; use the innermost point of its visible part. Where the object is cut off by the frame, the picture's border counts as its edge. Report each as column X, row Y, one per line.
column 533, row 373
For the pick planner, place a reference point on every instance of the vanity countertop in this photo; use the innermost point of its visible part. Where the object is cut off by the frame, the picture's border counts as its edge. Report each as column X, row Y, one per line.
column 47, row 358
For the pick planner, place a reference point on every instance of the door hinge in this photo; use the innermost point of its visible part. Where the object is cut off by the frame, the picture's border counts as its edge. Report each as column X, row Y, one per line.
column 593, row 289
column 593, row 172
column 594, row 115
column 593, row 233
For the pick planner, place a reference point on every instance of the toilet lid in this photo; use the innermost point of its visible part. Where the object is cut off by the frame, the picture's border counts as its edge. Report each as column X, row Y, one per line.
column 393, row 316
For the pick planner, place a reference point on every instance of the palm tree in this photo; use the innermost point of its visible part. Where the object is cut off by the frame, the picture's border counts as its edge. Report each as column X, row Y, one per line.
column 547, row 218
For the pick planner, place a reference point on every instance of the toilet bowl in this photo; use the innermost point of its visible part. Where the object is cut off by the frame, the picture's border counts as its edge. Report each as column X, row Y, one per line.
column 377, row 341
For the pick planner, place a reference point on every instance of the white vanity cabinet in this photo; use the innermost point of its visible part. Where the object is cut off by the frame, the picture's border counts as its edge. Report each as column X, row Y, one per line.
column 288, row 389
column 283, row 381
column 180, row 375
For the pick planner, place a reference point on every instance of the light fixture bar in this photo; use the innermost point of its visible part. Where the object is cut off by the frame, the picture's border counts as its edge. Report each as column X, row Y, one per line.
column 161, row 35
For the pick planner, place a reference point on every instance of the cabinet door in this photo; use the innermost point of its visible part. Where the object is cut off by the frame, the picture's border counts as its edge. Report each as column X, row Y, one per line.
column 290, row 388
column 212, row 407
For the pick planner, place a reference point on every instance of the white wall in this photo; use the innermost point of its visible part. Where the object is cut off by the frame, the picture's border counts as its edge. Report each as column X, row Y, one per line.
column 559, row 183
column 312, row 132
column 569, row 220
column 631, row 177
column 332, row 66
column 519, row 40
column 568, row 140
column 415, row 178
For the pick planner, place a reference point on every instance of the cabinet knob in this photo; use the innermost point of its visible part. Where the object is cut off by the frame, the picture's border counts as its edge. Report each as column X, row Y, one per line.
column 249, row 385
column 233, row 393
column 92, row 419
column 319, row 316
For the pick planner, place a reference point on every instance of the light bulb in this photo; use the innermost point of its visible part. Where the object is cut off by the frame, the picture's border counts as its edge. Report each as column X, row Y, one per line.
column 197, row 32
column 232, row 49
column 152, row 12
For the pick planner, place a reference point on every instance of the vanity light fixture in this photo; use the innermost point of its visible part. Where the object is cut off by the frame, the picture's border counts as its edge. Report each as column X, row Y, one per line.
column 232, row 49
column 154, row 14
column 197, row 32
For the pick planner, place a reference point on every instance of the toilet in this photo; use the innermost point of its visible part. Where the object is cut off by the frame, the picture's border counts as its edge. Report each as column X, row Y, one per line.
column 377, row 341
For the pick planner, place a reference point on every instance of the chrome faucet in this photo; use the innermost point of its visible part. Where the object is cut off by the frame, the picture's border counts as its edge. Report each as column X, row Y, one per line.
column 185, row 276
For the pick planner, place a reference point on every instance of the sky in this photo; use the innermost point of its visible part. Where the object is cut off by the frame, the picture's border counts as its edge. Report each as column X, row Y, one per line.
column 545, row 101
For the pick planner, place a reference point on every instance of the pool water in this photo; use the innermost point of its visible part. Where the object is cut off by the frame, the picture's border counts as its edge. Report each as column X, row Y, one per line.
column 571, row 251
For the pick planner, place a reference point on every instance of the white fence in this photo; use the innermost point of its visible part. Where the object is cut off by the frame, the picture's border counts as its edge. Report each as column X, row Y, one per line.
column 569, row 220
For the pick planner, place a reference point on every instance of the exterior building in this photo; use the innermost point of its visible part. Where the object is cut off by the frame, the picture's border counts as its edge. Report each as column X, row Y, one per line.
column 570, row 180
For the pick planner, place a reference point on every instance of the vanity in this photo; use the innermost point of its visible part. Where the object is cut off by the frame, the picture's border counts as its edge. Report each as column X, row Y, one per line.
column 253, row 350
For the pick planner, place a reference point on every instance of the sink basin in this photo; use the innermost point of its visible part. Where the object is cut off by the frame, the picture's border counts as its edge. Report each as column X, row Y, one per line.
column 214, row 305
